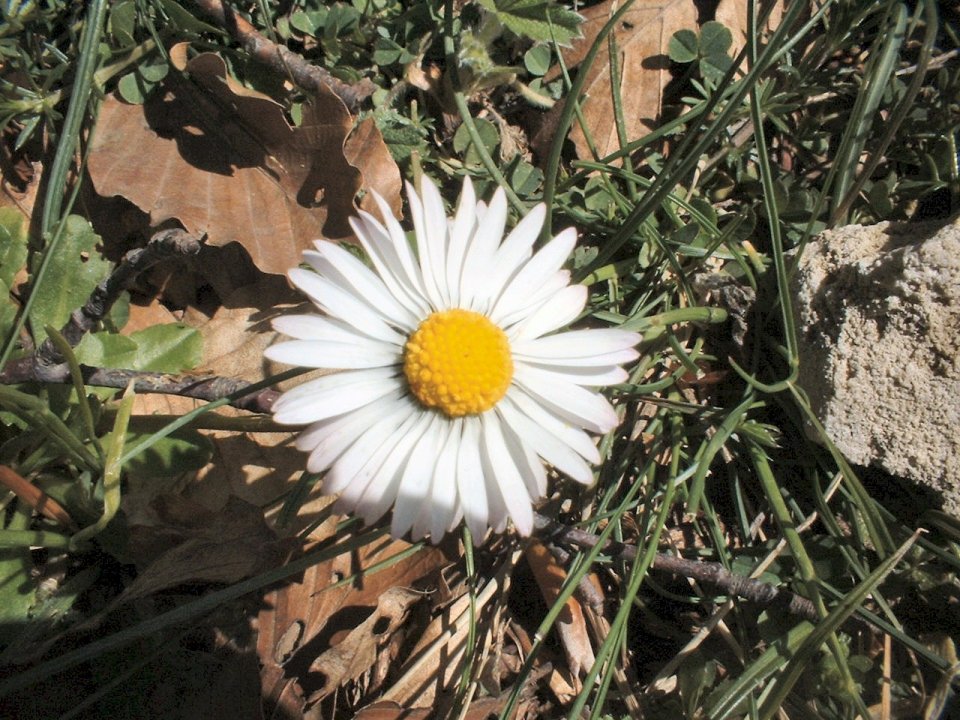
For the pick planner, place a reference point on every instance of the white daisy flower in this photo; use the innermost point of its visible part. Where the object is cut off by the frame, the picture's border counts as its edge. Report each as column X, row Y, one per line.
column 456, row 388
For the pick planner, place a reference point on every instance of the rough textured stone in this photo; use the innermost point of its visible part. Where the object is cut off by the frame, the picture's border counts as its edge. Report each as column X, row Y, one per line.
column 878, row 319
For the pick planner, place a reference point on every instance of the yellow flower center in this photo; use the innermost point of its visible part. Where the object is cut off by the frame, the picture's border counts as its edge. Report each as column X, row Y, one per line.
column 458, row 362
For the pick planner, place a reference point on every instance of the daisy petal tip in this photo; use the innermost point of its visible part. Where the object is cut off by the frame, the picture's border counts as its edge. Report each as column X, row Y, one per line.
column 274, row 353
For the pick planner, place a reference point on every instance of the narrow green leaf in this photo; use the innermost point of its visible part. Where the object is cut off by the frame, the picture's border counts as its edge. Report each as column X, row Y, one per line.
column 820, row 634
column 17, row 589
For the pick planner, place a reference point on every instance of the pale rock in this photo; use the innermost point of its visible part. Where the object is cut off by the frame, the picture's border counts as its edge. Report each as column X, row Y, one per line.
column 878, row 320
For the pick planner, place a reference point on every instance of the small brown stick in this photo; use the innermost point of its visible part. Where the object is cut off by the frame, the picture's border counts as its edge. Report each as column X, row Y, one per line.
column 205, row 387
column 284, row 61
column 708, row 572
column 34, row 496
column 47, row 365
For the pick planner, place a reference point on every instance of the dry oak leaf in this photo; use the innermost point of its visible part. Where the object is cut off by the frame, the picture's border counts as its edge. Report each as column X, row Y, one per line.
column 357, row 652
column 733, row 14
column 255, row 466
column 300, row 619
column 184, row 542
column 641, row 38
column 571, row 624
column 480, row 709
column 223, row 160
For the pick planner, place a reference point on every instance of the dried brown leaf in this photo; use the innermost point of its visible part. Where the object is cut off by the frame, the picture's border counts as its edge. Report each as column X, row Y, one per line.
column 733, row 14
column 301, row 619
column 357, row 652
column 184, row 542
column 480, row 709
column 386, row 710
column 641, row 38
column 225, row 161
column 571, row 625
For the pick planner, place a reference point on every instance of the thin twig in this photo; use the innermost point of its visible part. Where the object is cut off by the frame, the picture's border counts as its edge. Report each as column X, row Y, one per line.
column 282, row 60
column 202, row 387
column 712, row 573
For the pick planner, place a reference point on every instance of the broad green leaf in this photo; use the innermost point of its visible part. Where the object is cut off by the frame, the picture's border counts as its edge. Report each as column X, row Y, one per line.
column 106, row 350
column 8, row 310
column 132, row 89
column 17, row 588
column 538, row 20
column 308, row 22
column 123, row 16
column 715, row 39
column 537, row 59
column 463, row 144
column 683, row 46
column 714, row 67
column 154, row 72
column 72, row 275
column 161, row 348
column 13, row 244
column 525, row 178
column 184, row 19
column 168, row 348
column 49, row 612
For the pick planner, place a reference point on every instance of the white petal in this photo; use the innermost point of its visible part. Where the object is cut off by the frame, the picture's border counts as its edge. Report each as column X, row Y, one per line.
column 555, row 426
column 553, row 313
column 375, row 481
column 577, row 344
column 550, row 447
column 478, row 265
column 381, row 494
column 521, row 307
column 377, row 243
column 339, row 265
column 471, row 489
column 430, row 244
column 435, row 516
column 457, row 517
column 414, row 490
column 587, row 409
column 362, row 460
column 327, row 439
column 341, row 304
column 507, row 475
column 319, row 327
column 461, row 230
column 531, row 468
column 516, row 248
column 618, row 357
column 333, row 395
column 400, row 247
column 588, row 376
column 325, row 354
column 534, row 274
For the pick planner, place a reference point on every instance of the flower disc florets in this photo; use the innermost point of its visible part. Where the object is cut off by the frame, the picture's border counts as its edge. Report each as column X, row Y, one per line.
column 458, row 362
